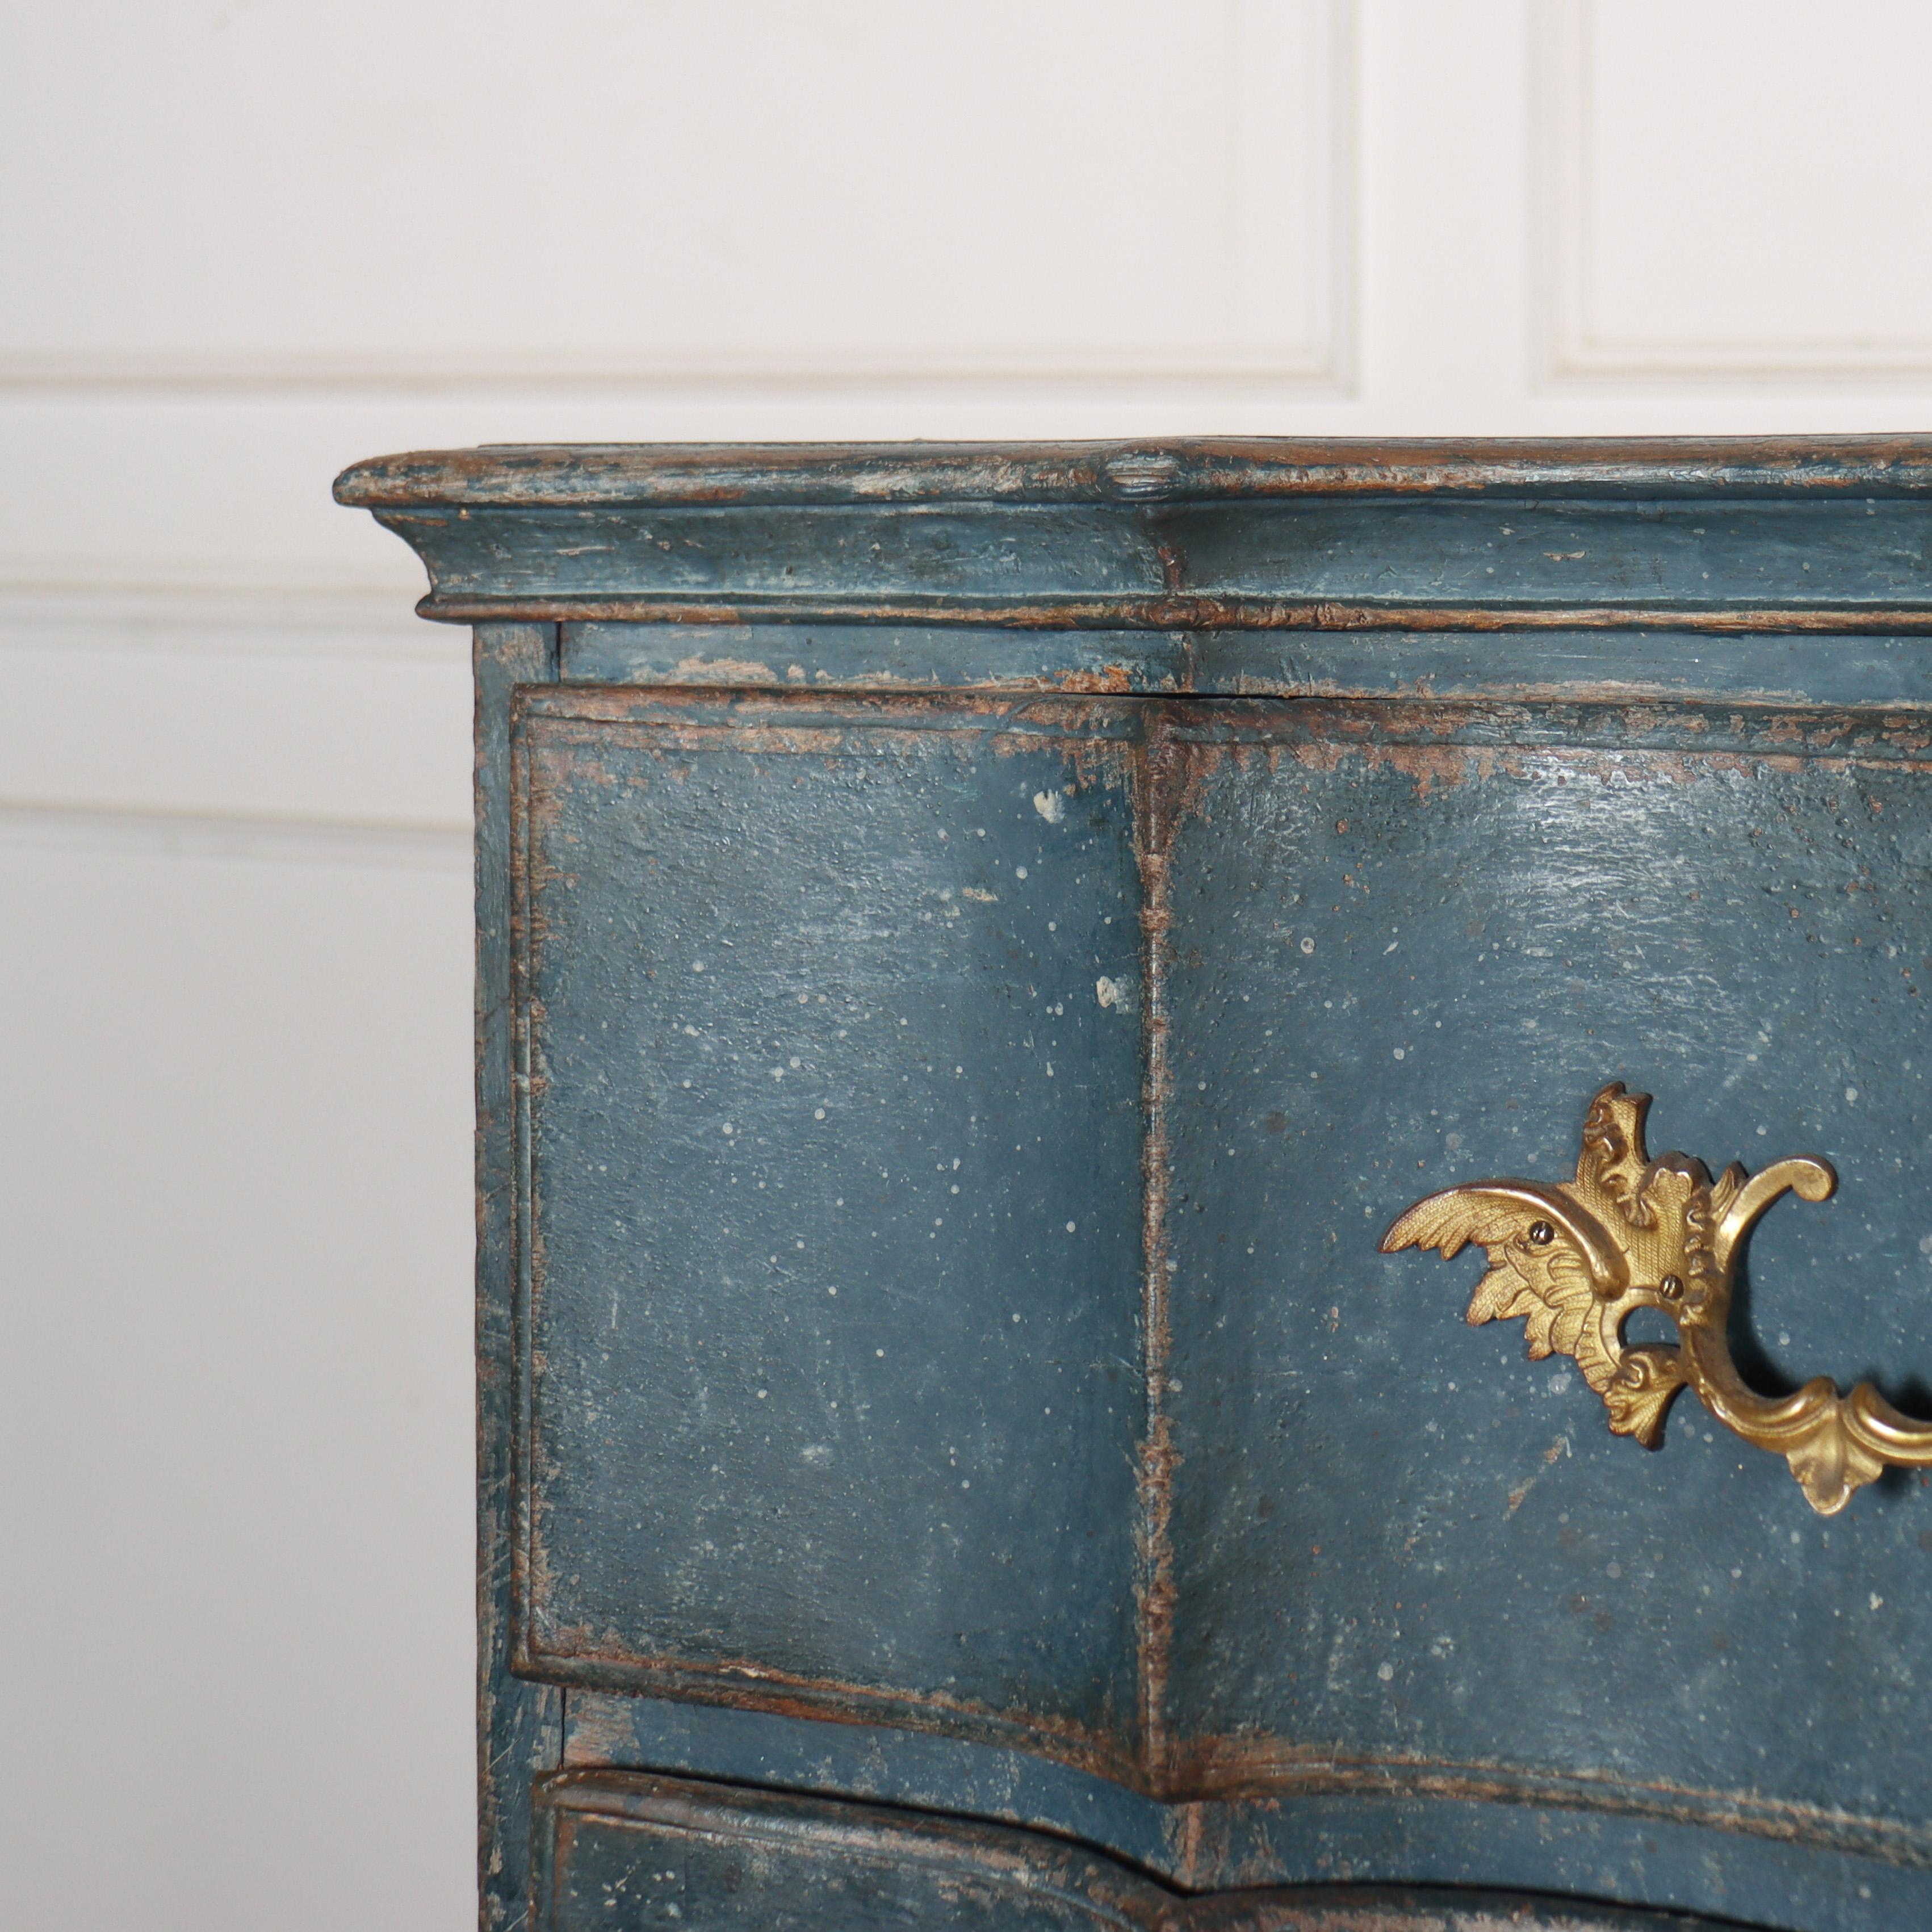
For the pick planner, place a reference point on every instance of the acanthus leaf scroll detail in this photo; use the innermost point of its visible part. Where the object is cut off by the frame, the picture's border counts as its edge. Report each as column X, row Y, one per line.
column 1575, row 1260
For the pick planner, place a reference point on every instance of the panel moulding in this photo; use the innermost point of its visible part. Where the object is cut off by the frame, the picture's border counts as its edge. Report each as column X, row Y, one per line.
column 245, row 619
column 1575, row 345
column 1313, row 353
column 156, row 831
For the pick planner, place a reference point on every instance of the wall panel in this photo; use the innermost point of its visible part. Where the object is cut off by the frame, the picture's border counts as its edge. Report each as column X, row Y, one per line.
column 710, row 193
column 1727, row 187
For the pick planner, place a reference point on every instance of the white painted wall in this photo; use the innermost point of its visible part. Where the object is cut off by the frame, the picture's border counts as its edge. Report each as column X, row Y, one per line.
column 245, row 241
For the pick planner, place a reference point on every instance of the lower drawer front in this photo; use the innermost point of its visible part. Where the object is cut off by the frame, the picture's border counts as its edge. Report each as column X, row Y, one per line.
column 617, row 1851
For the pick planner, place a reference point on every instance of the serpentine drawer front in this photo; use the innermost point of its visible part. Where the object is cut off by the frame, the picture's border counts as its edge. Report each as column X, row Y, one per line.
column 991, row 962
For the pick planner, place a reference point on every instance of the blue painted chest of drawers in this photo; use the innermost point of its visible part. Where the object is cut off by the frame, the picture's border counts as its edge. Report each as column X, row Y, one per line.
column 979, row 950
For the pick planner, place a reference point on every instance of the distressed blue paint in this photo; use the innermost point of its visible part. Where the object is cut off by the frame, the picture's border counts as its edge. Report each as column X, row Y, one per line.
column 518, row 1722
column 1291, row 1840
column 1786, row 671
column 1394, row 1525
column 1616, row 767
column 626, row 1852
column 1787, row 555
column 873, row 657
column 837, row 1150
column 1736, row 553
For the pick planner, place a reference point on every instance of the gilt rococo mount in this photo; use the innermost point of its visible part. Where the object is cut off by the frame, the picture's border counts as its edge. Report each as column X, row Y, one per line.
column 974, row 946
column 1577, row 1259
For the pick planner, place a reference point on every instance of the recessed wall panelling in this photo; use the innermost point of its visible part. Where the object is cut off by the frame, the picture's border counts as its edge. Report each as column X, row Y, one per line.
column 1732, row 188
column 379, row 192
column 234, row 1171
column 322, row 710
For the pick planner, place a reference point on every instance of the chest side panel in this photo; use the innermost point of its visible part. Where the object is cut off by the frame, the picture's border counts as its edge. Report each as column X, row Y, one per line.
column 829, row 1022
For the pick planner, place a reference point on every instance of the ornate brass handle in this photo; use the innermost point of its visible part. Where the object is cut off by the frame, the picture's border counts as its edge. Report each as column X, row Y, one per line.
column 1577, row 1259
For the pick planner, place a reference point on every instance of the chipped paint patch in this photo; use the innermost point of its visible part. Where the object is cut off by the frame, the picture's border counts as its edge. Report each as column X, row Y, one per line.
column 702, row 669
column 1520, row 1494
